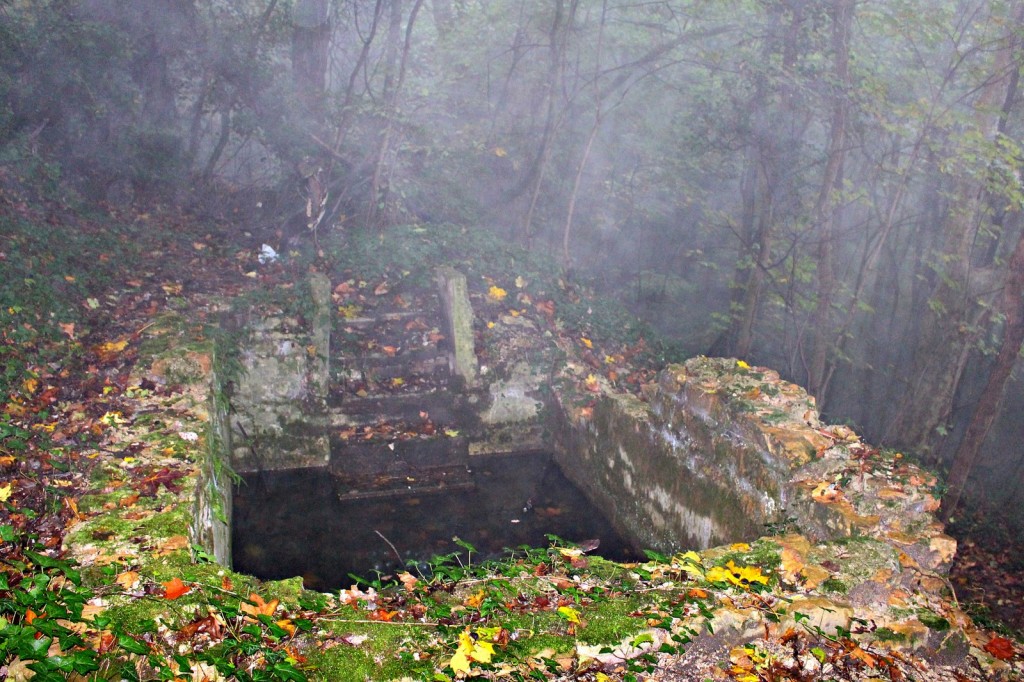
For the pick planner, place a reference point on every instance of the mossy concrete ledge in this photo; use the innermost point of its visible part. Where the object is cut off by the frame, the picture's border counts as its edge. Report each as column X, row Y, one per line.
column 722, row 452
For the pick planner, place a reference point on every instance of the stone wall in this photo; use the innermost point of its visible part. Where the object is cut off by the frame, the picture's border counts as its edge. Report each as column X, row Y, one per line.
column 279, row 396
column 721, row 452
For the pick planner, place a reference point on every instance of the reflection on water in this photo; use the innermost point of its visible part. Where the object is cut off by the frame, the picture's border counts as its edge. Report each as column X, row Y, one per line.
column 293, row 523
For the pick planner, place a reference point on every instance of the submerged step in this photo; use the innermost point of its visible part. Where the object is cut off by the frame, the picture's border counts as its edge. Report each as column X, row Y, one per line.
column 409, row 456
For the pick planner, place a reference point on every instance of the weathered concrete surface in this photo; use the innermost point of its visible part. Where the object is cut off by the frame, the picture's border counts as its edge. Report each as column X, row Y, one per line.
column 279, row 397
column 459, row 313
column 721, row 449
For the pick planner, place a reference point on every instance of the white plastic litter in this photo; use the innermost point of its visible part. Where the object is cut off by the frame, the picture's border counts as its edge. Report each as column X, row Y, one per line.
column 267, row 254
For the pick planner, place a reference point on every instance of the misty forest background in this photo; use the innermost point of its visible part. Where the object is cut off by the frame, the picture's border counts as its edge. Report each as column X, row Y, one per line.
column 828, row 187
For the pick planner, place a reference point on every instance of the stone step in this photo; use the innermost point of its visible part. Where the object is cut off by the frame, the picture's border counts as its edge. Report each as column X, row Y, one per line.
column 420, row 361
column 442, row 407
column 440, row 482
column 398, row 457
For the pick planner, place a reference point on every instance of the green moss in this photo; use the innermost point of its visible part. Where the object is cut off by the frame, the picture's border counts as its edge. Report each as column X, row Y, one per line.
column 609, row 622
column 835, row 585
column 888, row 635
column 933, row 620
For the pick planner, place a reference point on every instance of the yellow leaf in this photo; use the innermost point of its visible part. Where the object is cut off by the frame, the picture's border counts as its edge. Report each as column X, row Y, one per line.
column 30, row 385
column 5, row 492
column 460, row 662
column 739, row 547
column 397, row 381
column 742, row 365
column 569, row 613
column 496, row 293
column 741, row 576
column 587, row 342
column 113, row 346
column 490, row 325
column 471, row 649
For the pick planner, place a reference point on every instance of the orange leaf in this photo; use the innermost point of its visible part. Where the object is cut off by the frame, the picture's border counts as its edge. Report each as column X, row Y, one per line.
column 475, row 600
column 175, row 588
column 225, row 584
column 31, row 615
column 259, row 607
column 864, row 657
column 382, row 615
column 1001, row 648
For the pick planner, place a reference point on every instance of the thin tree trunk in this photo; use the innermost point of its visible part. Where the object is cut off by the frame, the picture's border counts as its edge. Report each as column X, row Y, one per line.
column 556, row 48
column 828, row 218
column 985, row 412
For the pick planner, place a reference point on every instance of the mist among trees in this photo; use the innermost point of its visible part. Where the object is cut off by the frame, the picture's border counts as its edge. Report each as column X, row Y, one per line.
column 829, row 187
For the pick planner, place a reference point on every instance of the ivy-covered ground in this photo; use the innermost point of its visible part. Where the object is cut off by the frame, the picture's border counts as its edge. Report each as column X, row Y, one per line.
column 107, row 337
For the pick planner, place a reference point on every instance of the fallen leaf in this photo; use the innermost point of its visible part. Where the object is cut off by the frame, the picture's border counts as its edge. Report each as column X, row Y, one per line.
column 175, row 588
column 128, row 579
column 475, row 600
column 171, row 545
column 408, row 580
column 5, row 492
column 259, row 607
column 1001, row 648
column 496, row 293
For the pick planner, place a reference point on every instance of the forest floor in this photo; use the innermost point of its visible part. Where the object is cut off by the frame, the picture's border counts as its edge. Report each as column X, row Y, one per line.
column 65, row 381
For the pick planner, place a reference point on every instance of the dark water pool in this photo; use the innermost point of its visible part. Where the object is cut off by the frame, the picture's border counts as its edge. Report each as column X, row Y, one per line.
column 293, row 523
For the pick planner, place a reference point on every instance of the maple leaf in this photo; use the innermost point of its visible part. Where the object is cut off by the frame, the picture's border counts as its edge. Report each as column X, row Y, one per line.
column 1001, row 648
column 472, row 649
column 475, row 600
column 259, row 607
column 496, row 293
column 175, row 588
column 741, row 576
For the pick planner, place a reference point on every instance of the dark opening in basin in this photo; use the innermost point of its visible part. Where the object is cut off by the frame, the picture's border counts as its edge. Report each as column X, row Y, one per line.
column 302, row 522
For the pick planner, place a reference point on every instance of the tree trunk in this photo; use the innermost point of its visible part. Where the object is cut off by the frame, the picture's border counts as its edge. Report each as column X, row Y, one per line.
column 985, row 412
column 951, row 321
column 311, row 37
column 826, row 214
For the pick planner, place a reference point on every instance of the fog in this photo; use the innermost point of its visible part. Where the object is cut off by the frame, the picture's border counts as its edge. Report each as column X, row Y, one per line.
column 828, row 187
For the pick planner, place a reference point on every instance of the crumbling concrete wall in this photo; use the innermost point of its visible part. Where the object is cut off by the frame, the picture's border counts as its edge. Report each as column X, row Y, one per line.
column 279, row 396
column 721, row 451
